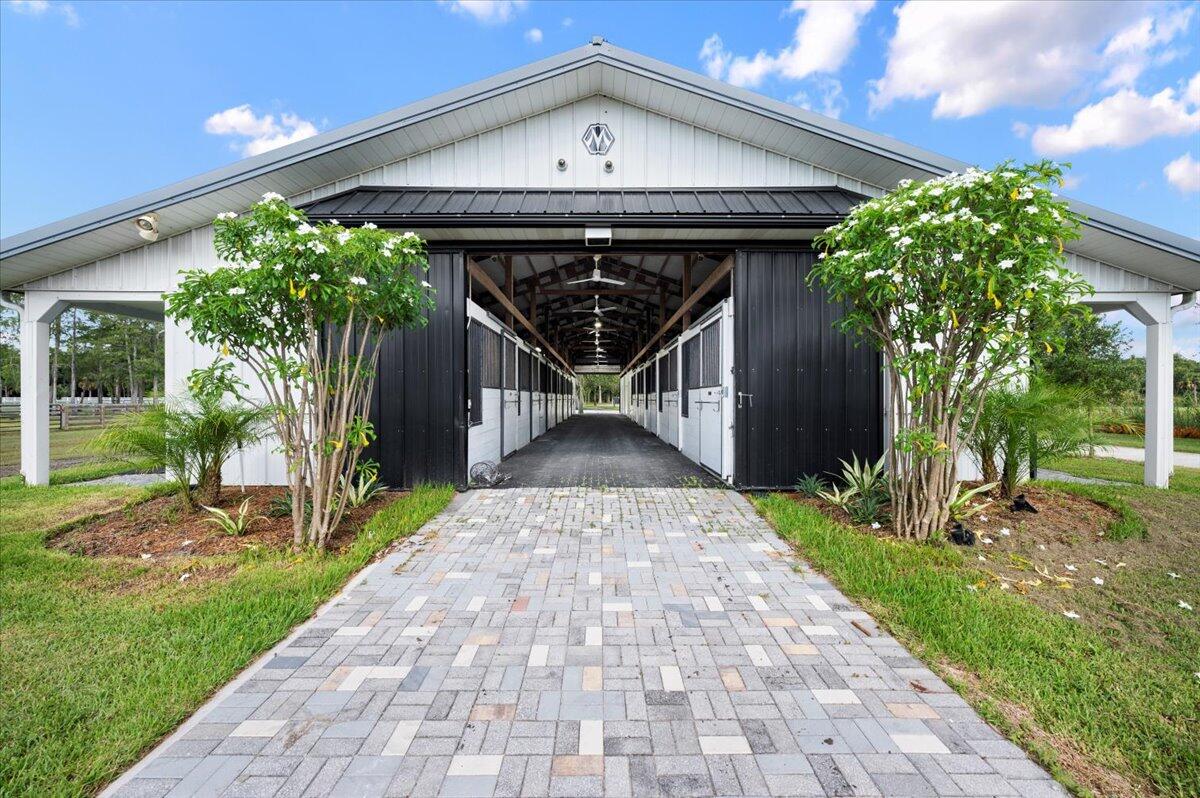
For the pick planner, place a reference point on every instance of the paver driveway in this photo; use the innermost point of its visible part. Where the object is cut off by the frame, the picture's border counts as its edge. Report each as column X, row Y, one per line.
column 578, row 642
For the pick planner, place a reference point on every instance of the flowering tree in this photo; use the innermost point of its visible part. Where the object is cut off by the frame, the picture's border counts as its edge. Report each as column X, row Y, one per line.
column 305, row 307
column 957, row 280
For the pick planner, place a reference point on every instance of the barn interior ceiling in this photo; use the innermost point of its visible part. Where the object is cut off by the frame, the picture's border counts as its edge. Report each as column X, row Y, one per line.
column 596, row 308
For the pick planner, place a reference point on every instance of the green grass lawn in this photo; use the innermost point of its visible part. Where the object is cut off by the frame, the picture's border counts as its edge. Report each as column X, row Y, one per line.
column 1191, row 445
column 1186, row 480
column 101, row 658
column 1109, row 710
column 68, row 444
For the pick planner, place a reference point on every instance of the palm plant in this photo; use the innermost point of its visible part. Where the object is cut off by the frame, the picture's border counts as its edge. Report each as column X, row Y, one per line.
column 1016, row 427
column 191, row 439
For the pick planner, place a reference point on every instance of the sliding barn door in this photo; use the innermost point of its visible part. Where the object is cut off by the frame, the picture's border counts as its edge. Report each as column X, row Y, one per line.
column 805, row 395
column 420, row 404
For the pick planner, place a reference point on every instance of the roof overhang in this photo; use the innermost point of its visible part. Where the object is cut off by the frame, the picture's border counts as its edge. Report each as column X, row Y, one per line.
column 598, row 68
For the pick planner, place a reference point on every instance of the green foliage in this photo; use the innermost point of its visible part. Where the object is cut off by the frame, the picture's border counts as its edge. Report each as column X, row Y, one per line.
column 962, row 502
column 1016, row 427
column 958, row 280
column 306, row 307
column 235, row 526
column 1091, row 355
column 365, row 486
column 811, row 485
column 191, row 438
column 866, row 479
column 868, row 508
column 594, row 387
column 839, row 497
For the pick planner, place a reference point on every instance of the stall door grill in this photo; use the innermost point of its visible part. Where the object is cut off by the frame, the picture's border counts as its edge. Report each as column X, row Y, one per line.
column 806, row 395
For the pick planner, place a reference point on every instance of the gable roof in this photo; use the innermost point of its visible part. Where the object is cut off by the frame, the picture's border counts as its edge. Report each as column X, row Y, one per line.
column 596, row 68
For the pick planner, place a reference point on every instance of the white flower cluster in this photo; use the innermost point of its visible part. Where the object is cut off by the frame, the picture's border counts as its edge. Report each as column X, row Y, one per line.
column 226, row 215
column 356, row 280
column 271, row 196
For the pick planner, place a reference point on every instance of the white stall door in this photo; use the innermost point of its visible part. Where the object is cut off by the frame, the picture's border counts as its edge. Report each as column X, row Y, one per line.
column 523, row 429
column 668, row 420
column 483, row 440
column 711, row 437
column 512, row 422
column 689, row 426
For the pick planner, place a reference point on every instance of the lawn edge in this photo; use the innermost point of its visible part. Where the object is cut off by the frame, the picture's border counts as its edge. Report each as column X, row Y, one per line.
column 985, row 705
column 373, row 560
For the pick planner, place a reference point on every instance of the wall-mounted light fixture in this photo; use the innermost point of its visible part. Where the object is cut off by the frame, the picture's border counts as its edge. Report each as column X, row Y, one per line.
column 597, row 236
column 147, row 226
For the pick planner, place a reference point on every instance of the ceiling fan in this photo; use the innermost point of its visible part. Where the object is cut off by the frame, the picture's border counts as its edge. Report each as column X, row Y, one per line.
column 596, row 277
column 596, row 309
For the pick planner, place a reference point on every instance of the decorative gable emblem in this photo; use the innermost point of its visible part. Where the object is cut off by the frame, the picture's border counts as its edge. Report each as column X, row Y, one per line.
column 598, row 139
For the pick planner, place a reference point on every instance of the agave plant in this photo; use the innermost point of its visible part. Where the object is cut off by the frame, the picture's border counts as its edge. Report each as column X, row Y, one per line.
column 811, row 485
column 362, row 489
column 232, row 525
column 839, row 497
column 868, row 508
column 865, row 478
column 961, row 507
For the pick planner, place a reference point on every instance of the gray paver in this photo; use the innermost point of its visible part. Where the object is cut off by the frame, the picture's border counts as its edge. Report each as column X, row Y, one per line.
column 574, row 641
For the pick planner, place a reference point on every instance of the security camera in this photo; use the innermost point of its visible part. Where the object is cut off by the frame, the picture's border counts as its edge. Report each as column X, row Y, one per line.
column 147, row 226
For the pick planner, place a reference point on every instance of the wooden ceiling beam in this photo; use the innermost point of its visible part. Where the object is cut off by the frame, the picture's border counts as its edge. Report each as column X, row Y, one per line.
column 480, row 276
column 723, row 269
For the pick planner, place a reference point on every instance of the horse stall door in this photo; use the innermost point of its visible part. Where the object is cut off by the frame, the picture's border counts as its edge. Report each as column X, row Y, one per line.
column 652, row 397
column 668, row 427
column 525, row 398
column 484, row 381
column 512, row 398
column 539, row 398
column 711, row 410
column 690, row 396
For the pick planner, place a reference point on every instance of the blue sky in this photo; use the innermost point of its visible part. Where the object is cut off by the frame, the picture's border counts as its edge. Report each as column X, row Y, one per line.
column 99, row 101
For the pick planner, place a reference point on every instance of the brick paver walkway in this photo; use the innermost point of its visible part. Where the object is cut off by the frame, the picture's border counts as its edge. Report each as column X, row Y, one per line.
column 576, row 642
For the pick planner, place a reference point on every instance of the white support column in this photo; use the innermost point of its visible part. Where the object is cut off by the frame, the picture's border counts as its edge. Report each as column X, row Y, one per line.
column 35, row 399
column 1160, row 412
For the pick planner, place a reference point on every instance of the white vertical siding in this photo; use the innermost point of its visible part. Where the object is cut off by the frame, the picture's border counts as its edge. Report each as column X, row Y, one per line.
column 651, row 149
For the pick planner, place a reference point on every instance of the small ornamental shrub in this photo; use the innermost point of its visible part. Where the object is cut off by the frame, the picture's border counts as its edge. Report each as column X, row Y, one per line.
column 306, row 308
column 957, row 280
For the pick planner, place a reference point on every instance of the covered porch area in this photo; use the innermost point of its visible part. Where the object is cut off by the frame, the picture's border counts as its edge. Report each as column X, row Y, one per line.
column 36, row 311
column 1157, row 314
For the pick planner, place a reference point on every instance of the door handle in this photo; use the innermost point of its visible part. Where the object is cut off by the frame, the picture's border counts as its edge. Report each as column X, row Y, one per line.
column 749, row 396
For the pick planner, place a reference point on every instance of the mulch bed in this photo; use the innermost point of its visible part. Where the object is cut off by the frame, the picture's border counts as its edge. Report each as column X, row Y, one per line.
column 1061, row 517
column 164, row 528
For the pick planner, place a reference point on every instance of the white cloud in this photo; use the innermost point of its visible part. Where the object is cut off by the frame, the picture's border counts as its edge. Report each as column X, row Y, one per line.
column 37, row 8
column 1021, row 129
column 489, row 12
column 1184, row 173
column 1191, row 94
column 972, row 57
column 533, row 35
column 258, row 134
column 1072, row 182
column 1144, row 43
column 567, row 22
column 832, row 102
column 1120, row 120
column 825, row 34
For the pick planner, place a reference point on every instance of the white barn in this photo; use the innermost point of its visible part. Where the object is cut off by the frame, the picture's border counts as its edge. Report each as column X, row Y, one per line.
column 703, row 191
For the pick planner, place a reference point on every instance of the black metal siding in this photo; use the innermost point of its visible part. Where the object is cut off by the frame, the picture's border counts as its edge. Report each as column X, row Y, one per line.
column 420, row 404
column 816, row 396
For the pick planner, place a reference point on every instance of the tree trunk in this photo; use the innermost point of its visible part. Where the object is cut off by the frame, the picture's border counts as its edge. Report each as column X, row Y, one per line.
column 208, row 485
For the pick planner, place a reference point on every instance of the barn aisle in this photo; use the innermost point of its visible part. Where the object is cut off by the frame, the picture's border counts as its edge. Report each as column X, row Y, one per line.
column 599, row 449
